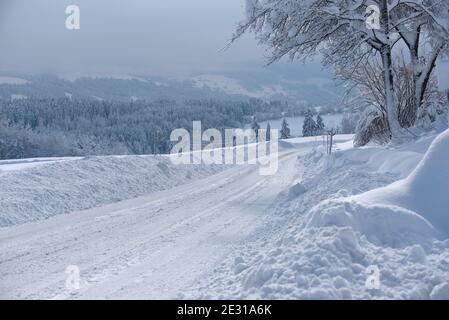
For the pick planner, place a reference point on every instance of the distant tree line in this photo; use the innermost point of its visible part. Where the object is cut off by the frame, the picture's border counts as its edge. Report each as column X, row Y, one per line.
column 38, row 127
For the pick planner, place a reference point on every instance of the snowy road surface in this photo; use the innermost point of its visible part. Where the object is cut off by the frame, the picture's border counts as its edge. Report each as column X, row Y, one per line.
column 154, row 246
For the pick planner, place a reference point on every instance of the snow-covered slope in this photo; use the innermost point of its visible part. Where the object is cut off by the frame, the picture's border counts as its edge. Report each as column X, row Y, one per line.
column 35, row 189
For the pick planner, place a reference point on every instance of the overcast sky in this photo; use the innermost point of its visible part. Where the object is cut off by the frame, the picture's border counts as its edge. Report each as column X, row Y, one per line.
column 117, row 37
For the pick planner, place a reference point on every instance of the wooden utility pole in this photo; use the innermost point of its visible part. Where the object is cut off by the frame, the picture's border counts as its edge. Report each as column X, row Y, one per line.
column 330, row 140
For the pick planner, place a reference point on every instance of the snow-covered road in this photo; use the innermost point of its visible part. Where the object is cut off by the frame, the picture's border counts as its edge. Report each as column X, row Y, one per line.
column 311, row 231
column 155, row 246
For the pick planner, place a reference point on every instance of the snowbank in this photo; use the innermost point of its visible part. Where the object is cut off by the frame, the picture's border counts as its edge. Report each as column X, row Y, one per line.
column 426, row 190
column 413, row 210
column 20, row 164
column 385, row 225
column 40, row 191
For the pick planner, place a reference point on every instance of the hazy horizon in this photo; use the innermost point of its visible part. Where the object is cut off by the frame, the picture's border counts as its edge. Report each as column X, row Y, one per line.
column 160, row 38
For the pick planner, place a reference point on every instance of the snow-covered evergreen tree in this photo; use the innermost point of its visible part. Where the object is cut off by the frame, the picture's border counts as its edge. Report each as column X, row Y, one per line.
column 268, row 131
column 255, row 126
column 319, row 129
column 285, row 130
column 309, row 125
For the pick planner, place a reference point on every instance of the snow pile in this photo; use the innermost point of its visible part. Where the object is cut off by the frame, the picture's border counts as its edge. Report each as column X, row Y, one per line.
column 381, row 224
column 333, row 263
column 58, row 187
column 296, row 190
column 326, row 242
column 400, row 213
column 426, row 189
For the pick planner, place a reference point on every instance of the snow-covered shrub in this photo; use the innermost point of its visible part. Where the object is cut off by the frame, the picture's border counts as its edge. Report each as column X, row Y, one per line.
column 405, row 93
column 432, row 112
column 373, row 127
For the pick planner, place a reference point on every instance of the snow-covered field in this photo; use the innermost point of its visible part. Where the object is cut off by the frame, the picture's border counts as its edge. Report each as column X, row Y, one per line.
column 320, row 228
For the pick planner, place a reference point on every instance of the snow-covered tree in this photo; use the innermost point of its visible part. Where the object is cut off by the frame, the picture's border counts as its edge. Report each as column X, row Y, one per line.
column 299, row 29
column 309, row 125
column 367, row 80
column 285, row 130
column 340, row 32
column 319, row 127
column 255, row 126
column 424, row 32
column 268, row 131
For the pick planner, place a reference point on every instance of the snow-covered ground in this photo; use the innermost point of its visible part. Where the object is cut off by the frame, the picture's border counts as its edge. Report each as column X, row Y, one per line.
column 316, row 229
